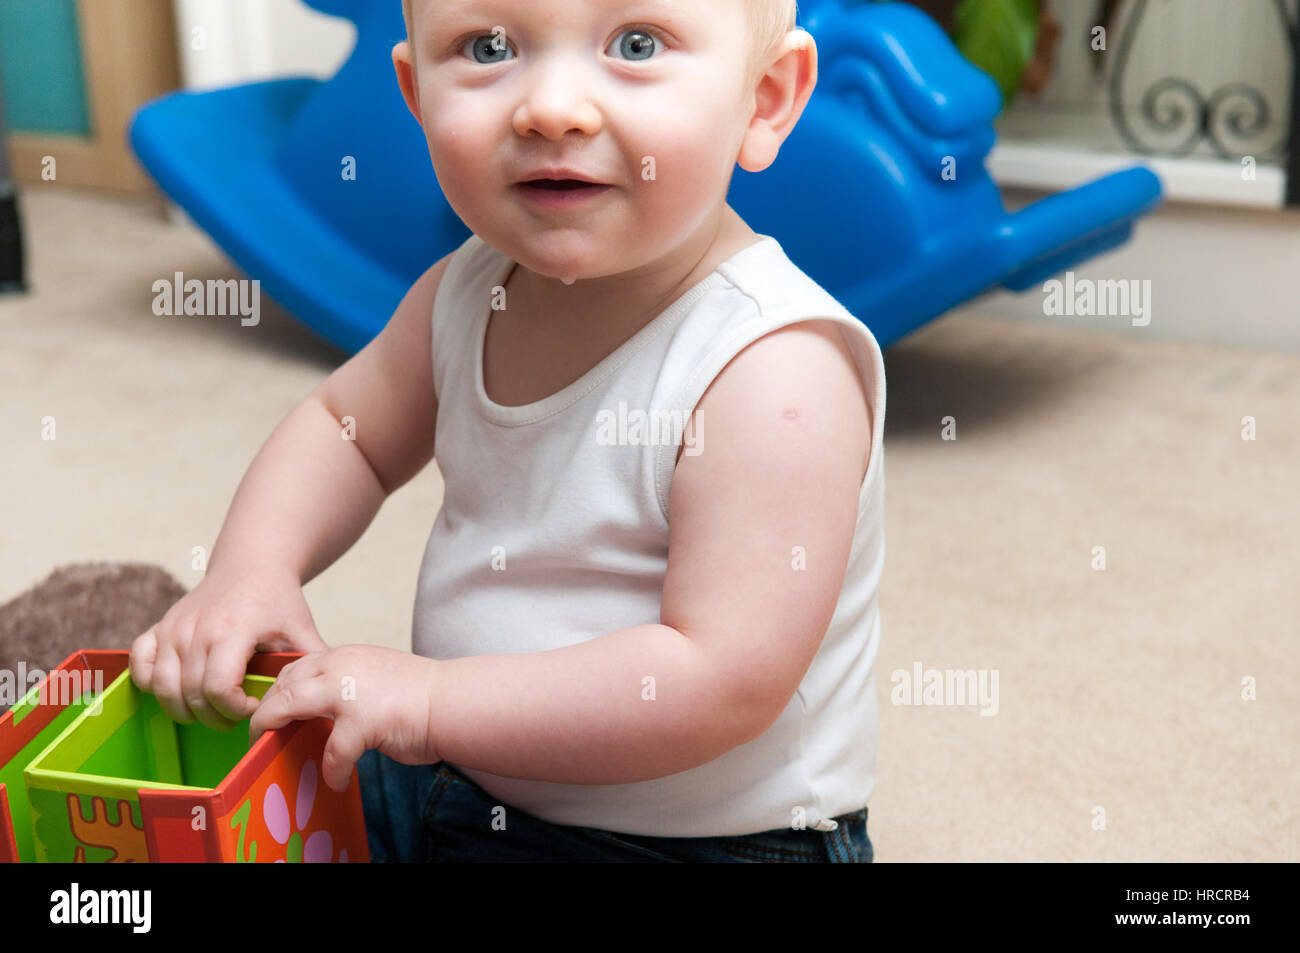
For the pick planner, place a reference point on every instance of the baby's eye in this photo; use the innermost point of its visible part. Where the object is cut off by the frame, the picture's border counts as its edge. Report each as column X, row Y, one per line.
column 637, row 44
column 488, row 48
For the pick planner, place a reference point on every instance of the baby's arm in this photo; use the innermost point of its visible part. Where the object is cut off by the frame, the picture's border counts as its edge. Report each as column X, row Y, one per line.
column 311, row 492
column 306, row 498
column 784, row 454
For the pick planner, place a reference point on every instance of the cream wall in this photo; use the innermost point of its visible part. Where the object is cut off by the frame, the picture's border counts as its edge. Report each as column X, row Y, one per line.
column 231, row 41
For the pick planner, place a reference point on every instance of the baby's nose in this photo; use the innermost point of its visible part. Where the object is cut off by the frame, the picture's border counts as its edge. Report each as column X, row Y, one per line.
column 555, row 107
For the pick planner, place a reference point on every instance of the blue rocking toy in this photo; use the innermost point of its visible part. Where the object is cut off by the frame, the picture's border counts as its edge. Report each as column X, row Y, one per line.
column 880, row 193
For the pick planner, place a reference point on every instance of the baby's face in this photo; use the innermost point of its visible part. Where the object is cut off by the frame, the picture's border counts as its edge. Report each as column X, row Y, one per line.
column 650, row 99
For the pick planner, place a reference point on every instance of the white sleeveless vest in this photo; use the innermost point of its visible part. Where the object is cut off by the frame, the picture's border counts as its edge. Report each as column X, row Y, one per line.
column 584, row 532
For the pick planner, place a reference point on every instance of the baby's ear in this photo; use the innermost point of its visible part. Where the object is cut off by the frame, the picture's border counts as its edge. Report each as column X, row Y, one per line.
column 782, row 93
column 406, row 78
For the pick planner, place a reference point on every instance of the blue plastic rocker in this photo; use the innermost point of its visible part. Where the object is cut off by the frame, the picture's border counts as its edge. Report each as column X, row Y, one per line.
column 858, row 197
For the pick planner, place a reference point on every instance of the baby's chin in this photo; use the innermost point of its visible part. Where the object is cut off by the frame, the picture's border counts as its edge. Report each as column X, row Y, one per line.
column 569, row 264
column 569, row 276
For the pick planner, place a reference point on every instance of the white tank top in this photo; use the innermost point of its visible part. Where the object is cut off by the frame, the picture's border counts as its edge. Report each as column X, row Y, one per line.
column 584, row 536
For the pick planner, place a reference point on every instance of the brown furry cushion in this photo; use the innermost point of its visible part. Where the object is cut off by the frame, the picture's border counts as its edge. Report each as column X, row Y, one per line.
column 86, row 606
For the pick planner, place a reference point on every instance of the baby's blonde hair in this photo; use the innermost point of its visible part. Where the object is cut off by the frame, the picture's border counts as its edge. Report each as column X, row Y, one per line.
column 769, row 22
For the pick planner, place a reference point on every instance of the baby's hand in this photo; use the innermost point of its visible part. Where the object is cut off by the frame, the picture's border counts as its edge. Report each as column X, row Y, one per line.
column 194, row 658
column 377, row 697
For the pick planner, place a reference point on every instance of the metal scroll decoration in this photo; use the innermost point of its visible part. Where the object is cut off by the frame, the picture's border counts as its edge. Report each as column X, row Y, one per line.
column 1175, row 106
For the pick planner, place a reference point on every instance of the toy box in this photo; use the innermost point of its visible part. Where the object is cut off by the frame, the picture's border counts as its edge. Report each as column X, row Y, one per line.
column 93, row 770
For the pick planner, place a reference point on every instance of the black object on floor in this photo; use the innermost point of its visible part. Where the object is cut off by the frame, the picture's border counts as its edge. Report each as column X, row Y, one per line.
column 11, row 234
column 11, row 243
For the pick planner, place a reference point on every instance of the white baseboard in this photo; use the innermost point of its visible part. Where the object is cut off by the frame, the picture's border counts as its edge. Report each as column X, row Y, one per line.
column 1218, row 275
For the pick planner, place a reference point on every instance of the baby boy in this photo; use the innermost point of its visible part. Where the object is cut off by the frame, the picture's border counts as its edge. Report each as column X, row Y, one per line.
column 646, row 617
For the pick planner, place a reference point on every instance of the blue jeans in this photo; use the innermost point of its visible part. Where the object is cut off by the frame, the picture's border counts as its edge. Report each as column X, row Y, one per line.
column 433, row 813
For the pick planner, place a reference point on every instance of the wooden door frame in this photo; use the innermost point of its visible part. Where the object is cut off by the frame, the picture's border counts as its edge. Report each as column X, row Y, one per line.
column 128, row 55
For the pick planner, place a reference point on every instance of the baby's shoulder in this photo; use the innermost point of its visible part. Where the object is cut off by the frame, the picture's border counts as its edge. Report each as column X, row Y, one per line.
column 800, row 375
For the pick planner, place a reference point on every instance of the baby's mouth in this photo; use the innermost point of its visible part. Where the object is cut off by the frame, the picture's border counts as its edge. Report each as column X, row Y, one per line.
column 560, row 193
column 561, row 185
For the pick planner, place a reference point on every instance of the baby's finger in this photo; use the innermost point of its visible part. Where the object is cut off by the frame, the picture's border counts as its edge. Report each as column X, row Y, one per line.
column 193, row 677
column 167, row 685
column 309, row 666
column 223, row 681
column 143, row 652
column 344, row 747
column 291, row 701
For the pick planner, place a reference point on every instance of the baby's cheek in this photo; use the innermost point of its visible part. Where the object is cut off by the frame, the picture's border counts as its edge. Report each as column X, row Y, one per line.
column 450, row 138
column 686, row 168
column 690, row 136
column 458, row 155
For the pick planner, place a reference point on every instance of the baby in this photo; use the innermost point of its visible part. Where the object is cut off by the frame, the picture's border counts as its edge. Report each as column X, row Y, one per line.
column 646, row 618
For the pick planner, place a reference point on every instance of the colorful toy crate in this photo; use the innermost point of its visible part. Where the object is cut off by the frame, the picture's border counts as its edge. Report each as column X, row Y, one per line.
column 101, row 773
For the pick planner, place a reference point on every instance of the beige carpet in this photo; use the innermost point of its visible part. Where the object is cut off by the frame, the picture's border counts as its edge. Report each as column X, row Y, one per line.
column 1120, row 691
